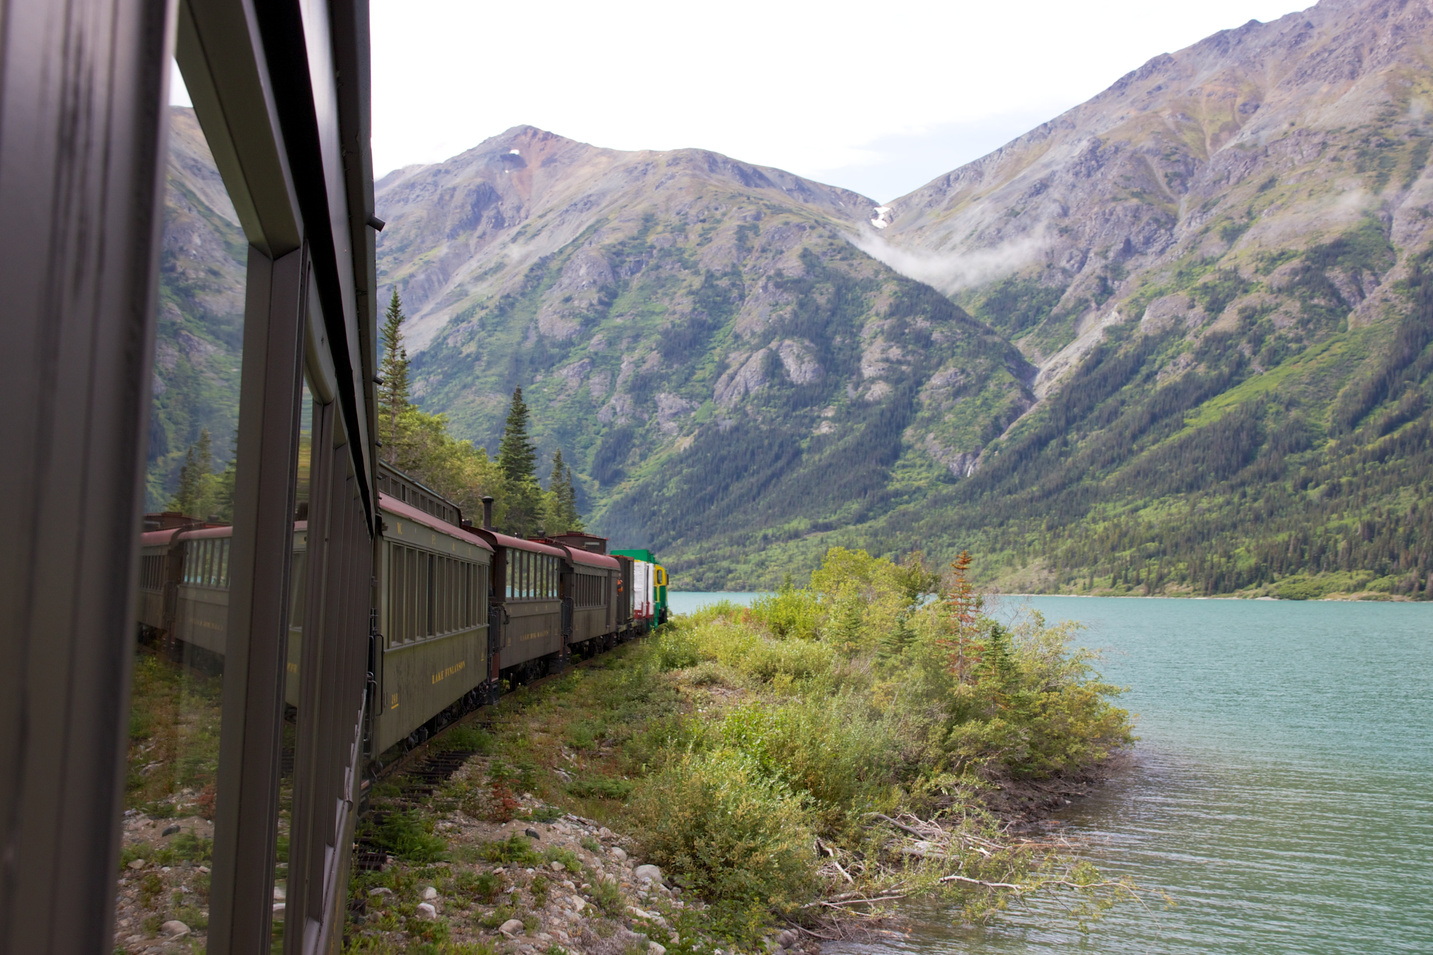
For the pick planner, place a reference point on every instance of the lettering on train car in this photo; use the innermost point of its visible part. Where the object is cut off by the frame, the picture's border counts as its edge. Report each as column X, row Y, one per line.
column 394, row 704
column 442, row 675
column 535, row 635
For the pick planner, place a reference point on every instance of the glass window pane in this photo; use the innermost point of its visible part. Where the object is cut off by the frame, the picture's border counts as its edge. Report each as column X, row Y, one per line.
column 177, row 707
column 293, row 658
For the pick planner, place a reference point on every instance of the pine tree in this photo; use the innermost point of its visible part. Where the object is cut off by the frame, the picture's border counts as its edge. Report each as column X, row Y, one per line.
column 567, row 500
column 517, row 459
column 516, row 455
column 561, row 496
column 393, row 370
column 195, row 495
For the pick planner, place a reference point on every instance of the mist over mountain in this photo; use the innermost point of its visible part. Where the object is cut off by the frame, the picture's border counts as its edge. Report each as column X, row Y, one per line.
column 1175, row 339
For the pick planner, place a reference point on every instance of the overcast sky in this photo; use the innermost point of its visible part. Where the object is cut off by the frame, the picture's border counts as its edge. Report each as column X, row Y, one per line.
column 880, row 96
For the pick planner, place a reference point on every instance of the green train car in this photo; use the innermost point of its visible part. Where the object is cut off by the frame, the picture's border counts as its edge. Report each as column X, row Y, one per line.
column 649, row 587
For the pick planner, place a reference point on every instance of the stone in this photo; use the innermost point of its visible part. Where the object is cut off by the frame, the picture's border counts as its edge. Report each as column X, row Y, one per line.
column 138, row 864
column 171, row 830
column 428, row 894
column 579, row 903
column 788, row 938
column 648, row 871
column 619, row 853
column 426, row 910
column 511, row 928
column 380, row 891
column 174, row 928
column 655, row 949
column 279, row 893
column 279, row 908
column 558, row 867
column 532, row 833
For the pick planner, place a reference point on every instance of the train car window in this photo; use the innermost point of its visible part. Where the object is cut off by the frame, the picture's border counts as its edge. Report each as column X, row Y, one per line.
column 470, row 575
column 426, row 570
column 293, row 654
column 177, row 685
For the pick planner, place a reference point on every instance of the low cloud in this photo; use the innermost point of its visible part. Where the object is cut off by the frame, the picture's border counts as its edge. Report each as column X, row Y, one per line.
column 952, row 271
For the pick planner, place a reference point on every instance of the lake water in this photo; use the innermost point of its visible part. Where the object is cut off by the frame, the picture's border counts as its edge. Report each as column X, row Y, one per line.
column 1281, row 792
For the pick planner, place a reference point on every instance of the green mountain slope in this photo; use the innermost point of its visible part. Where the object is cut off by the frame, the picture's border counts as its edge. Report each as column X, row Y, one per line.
column 203, row 260
column 1218, row 265
column 712, row 355
column 1176, row 340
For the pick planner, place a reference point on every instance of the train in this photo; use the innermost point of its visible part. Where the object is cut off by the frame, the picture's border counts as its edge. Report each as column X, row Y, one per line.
column 461, row 613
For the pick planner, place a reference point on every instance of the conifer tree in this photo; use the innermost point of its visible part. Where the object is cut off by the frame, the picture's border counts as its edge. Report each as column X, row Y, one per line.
column 393, row 397
column 516, row 455
column 562, row 513
column 517, row 459
column 195, row 495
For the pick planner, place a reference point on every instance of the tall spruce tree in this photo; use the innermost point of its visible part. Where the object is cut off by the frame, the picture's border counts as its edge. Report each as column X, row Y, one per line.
column 195, row 495
column 393, row 397
column 517, row 460
column 562, row 509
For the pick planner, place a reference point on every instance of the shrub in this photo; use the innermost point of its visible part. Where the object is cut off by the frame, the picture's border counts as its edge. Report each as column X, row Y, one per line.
column 674, row 649
column 797, row 660
column 402, row 834
column 733, row 833
column 467, row 737
column 514, row 850
column 789, row 613
column 602, row 787
column 832, row 748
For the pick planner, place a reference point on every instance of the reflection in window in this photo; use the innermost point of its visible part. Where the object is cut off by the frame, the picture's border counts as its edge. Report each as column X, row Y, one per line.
column 176, row 697
column 294, row 655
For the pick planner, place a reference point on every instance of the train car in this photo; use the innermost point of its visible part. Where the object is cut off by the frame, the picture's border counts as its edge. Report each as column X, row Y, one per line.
column 649, row 588
column 459, row 610
column 432, row 653
column 183, row 605
column 599, row 589
column 527, row 608
column 590, row 595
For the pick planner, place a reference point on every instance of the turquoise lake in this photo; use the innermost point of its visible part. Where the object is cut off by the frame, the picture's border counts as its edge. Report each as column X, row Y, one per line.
column 1281, row 793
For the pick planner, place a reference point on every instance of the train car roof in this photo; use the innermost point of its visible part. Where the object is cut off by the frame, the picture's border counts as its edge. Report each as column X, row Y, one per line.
column 518, row 543
column 208, row 533
column 591, row 559
column 151, row 538
column 410, row 513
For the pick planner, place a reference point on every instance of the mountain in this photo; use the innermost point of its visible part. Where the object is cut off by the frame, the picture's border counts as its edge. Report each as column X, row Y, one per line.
column 203, row 261
column 1175, row 340
column 695, row 333
column 1221, row 267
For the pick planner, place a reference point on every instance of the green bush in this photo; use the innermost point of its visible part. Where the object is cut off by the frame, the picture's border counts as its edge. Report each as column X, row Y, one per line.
column 768, row 660
column 728, row 830
column 514, row 850
column 834, row 749
column 467, row 737
column 404, row 835
column 601, row 787
column 674, row 649
column 789, row 613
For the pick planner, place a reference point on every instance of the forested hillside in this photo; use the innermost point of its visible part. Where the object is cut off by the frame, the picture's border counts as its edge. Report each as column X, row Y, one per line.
column 1175, row 340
